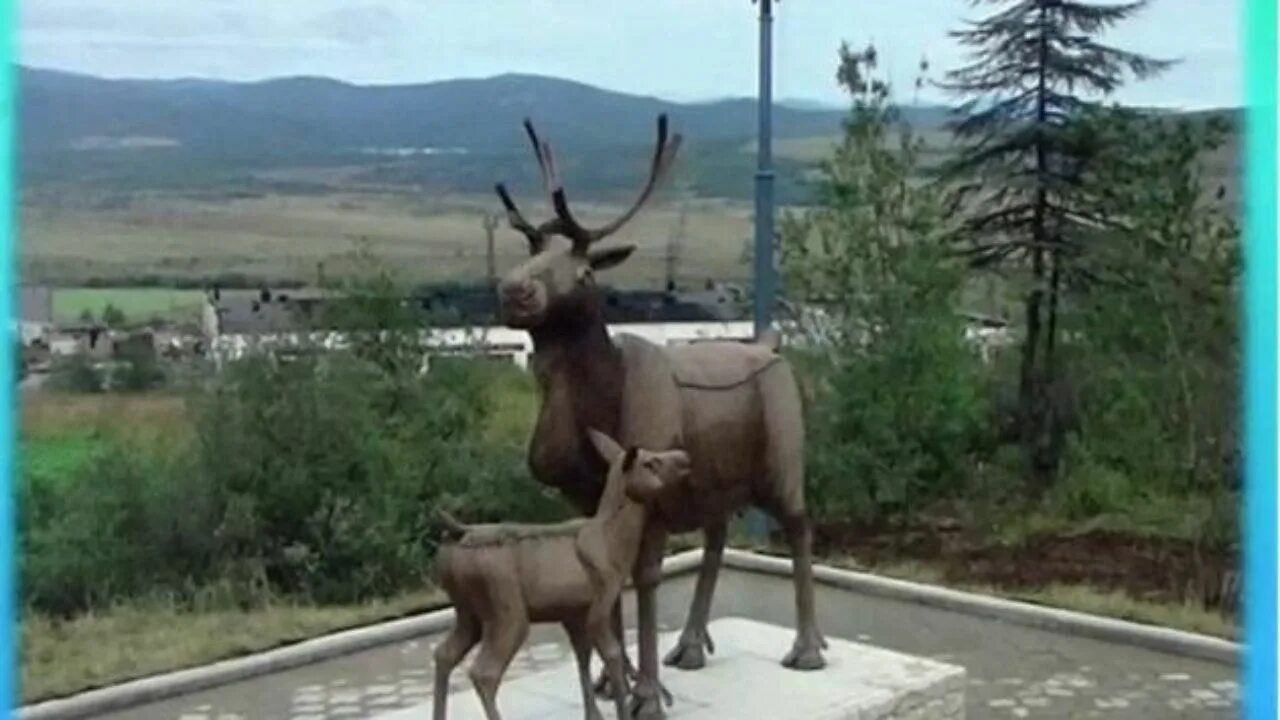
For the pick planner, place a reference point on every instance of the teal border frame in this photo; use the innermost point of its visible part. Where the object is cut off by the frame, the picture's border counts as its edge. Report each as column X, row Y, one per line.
column 1259, row 516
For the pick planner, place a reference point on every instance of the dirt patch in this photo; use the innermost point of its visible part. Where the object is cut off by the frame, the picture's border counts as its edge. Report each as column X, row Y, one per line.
column 1153, row 569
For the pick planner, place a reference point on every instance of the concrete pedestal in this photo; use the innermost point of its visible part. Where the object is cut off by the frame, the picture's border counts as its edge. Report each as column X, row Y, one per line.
column 744, row 680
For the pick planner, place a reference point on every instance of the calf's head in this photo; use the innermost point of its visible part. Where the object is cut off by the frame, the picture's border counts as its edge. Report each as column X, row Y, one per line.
column 637, row 473
column 556, row 285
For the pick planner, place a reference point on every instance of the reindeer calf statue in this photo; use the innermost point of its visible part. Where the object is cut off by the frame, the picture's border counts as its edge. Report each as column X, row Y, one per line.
column 735, row 408
column 503, row 577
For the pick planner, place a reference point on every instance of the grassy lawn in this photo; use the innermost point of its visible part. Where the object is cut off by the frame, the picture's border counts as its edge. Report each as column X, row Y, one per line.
column 143, row 639
column 56, row 418
column 1065, row 596
column 274, row 238
column 136, row 303
column 1080, row 598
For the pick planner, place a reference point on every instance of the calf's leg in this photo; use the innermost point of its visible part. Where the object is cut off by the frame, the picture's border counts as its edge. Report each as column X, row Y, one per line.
column 688, row 653
column 499, row 643
column 648, row 693
column 602, row 634
column 603, row 686
column 581, row 641
column 463, row 637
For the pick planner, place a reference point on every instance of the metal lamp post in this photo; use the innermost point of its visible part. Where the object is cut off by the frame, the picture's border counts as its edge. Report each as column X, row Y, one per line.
column 765, row 274
column 757, row 523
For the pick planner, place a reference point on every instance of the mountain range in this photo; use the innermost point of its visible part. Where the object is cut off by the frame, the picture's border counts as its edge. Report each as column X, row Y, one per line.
column 62, row 111
column 447, row 136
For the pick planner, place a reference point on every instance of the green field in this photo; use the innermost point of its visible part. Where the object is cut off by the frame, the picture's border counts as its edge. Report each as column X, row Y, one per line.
column 174, row 236
column 69, row 304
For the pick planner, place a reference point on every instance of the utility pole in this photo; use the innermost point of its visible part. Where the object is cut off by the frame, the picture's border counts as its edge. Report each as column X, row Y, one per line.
column 491, row 263
column 757, row 524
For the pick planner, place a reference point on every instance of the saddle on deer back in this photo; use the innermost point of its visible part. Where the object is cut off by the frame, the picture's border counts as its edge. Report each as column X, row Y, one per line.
column 720, row 365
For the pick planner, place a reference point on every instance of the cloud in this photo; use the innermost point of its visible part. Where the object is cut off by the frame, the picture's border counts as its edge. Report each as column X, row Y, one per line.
column 675, row 48
column 358, row 25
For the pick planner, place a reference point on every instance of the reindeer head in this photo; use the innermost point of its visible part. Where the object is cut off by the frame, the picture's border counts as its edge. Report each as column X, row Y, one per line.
column 557, row 283
column 643, row 473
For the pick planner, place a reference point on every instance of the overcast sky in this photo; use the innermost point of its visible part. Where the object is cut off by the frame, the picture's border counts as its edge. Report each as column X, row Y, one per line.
column 677, row 49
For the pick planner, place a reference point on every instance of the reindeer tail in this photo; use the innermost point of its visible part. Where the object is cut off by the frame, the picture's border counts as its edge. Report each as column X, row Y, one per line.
column 452, row 528
column 771, row 339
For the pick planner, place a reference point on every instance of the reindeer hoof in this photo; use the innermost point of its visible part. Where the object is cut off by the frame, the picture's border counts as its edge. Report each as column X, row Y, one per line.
column 604, row 687
column 806, row 654
column 647, row 705
column 686, row 656
column 690, row 652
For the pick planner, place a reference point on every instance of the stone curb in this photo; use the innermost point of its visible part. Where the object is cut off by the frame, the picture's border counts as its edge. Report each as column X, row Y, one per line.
column 1151, row 637
column 182, row 682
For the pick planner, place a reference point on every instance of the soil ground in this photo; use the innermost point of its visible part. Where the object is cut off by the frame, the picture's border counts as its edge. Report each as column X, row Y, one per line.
column 1151, row 569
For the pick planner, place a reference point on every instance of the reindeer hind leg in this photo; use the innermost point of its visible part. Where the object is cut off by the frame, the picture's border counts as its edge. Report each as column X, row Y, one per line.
column 784, row 496
column 450, row 652
column 498, row 646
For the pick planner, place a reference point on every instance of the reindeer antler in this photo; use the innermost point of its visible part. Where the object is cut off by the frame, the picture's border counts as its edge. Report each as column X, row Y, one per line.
column 664, row 154
column 565, row 223
column 537, row 235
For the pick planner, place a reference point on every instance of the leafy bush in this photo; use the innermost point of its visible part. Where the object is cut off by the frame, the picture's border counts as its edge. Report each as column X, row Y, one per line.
column 314, row 478
column 113, row 317
column 123, row 524
column 77, row 374
column 311, row 474
column 898, row 408
column 1157, row 336
column 139, row 370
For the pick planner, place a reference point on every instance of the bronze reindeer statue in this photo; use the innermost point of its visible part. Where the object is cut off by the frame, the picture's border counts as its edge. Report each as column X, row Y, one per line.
column 502, row 577
column 734, row 407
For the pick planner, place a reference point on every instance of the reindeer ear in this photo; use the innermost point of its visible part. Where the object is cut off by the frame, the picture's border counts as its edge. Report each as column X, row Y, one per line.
column 608, row 257
column 609, row 449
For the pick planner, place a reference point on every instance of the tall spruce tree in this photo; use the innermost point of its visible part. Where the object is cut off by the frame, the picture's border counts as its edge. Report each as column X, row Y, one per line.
column 1035, row 68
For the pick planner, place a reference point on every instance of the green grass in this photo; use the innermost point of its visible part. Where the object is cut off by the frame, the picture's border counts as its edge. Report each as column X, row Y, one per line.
column 136, row 303
column 137, row 640
column 276, row 237
column 51, row 461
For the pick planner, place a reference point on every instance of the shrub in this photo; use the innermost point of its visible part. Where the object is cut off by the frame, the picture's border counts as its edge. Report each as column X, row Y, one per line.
column 123, row 524
column 77, row 374
column 897, row 405
column 139, row 370
column 311, row 475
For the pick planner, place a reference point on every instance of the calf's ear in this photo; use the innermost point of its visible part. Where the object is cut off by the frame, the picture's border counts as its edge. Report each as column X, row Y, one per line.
column 609, row 449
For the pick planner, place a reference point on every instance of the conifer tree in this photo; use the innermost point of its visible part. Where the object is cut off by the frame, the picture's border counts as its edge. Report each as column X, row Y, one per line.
column 1036, row 67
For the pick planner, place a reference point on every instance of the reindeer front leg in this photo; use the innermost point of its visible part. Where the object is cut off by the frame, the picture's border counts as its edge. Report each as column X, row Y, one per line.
column 648, row 693
column 688, row 652
column 601, row 630
column 604, row 686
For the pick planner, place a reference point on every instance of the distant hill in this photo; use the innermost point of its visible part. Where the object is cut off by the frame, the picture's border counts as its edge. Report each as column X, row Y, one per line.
column 167, row 133
column 452, row 135
column 62, row 111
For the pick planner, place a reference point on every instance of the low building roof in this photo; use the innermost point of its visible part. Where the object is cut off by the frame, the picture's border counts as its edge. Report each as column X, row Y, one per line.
column 242, row 313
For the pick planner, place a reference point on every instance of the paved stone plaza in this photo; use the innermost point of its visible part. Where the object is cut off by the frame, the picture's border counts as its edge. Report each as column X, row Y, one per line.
column 1012, row 671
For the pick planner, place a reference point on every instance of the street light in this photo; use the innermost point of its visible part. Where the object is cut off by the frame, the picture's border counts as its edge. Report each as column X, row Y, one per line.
column 765, row 274
column 757, row 524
